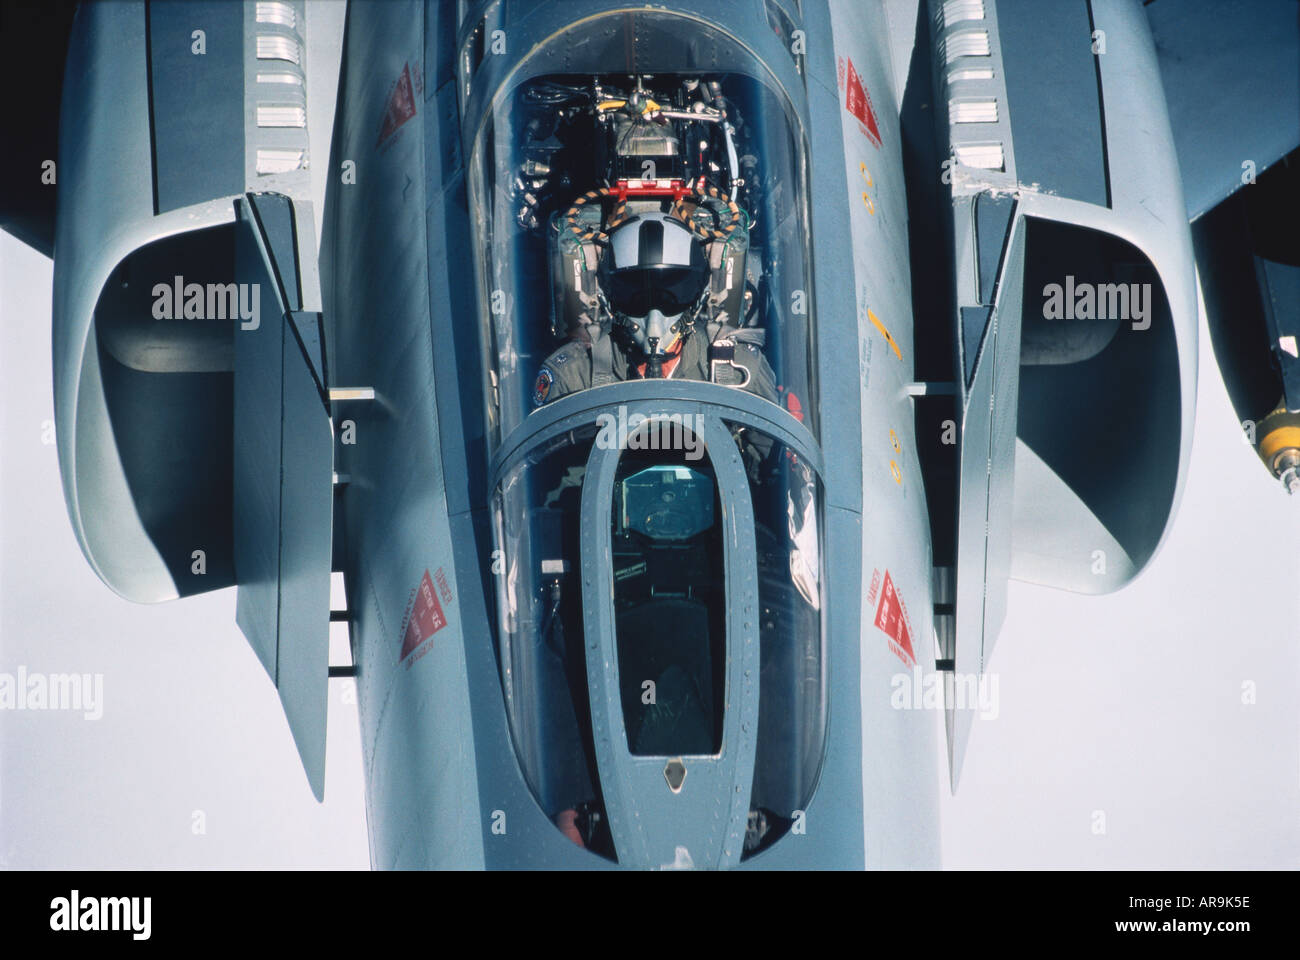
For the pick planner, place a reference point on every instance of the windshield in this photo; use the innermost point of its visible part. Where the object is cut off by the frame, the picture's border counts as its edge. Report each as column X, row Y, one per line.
column 666, row 573
column 669, row 604
column 642, row 225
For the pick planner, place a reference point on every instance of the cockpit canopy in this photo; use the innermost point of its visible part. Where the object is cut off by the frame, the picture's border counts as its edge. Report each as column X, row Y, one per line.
column 660, row 602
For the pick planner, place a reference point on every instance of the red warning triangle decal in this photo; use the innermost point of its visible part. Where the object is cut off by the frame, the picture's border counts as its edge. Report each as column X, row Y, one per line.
column 891, row 618
column 424, row 617
column 858, row 102
column 401, row 105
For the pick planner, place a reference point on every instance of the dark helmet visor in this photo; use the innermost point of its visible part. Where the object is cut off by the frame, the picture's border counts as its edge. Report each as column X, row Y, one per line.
column 635, row 291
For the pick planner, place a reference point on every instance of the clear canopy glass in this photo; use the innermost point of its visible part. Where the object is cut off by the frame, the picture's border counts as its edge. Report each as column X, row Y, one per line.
column 566, row 164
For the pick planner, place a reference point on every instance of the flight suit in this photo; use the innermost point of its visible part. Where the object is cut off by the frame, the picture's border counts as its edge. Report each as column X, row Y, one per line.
column 734, row 358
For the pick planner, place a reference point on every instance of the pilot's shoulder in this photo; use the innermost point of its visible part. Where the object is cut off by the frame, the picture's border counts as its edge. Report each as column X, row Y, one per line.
column 568, row 351
column 564, row 371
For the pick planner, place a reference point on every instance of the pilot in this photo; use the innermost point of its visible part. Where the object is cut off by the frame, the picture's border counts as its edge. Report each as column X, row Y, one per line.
column 654, row 277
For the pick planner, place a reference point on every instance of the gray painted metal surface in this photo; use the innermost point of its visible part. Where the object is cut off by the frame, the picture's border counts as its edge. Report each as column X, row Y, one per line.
column 1041, row 528
column 107, row 212
column 191, row 112
column 283, row 489
column 702, row 822
column 1053, row 97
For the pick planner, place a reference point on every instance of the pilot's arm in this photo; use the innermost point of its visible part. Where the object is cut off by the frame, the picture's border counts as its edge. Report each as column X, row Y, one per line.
column 737, row 362
column 735, row 359
column 588, row 358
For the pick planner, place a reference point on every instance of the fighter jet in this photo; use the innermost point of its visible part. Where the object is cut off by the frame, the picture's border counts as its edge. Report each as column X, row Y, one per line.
column 670, row 377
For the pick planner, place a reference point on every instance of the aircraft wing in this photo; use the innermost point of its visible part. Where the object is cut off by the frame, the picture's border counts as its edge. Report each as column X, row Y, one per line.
column 1231, row 75
column 1061, row 199
column 197, row 452
column 1080, row 139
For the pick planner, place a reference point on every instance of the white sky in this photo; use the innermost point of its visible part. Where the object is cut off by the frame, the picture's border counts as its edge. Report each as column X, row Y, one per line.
column 1131, row 704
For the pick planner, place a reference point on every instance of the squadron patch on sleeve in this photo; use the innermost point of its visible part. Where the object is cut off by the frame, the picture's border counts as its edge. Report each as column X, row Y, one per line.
column 542, row 388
